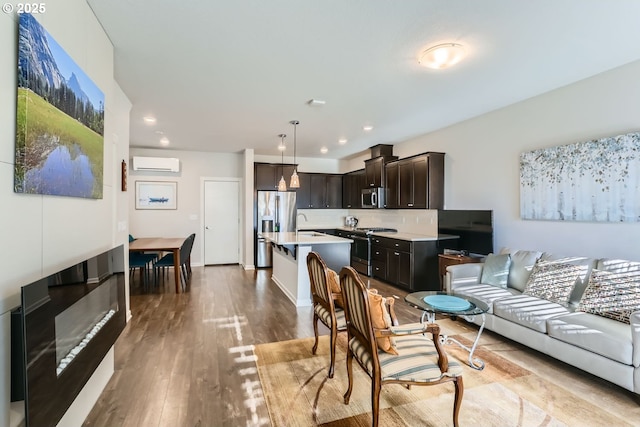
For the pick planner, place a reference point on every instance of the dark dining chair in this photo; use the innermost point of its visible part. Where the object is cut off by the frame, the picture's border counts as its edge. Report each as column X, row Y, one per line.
column 185, row 260
column 144, row 262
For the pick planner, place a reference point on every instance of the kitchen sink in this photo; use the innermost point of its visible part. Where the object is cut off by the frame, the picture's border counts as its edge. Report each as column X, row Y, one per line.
column 310, row 234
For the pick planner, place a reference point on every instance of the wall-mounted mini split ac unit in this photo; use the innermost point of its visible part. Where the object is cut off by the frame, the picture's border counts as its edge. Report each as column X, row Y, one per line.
column 156, row 164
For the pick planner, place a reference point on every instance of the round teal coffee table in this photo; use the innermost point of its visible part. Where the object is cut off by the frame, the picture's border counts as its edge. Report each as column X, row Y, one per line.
column 432, row 303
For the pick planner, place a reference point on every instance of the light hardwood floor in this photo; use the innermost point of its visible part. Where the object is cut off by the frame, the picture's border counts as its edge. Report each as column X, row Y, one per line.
column 186, row 360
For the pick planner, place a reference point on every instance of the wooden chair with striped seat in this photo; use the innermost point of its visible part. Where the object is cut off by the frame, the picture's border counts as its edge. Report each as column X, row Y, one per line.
column 420, row 359
column 324, row 304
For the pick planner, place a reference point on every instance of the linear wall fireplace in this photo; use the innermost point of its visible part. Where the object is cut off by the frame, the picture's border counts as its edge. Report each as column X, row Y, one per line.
column 66, row 325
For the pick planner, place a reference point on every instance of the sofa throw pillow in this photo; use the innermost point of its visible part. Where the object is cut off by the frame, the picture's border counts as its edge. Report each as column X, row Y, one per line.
column 496, row 270
column 611, row 295
column 381, row 319
column 334, row 281
column 553, row 280
column 334, row 286
column 521, row 264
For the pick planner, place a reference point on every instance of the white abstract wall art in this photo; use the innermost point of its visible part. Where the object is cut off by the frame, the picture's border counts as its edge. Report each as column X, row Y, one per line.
column 596, row 180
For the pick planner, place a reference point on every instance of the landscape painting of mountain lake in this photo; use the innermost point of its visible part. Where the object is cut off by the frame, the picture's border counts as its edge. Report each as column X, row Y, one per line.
column 60, row 120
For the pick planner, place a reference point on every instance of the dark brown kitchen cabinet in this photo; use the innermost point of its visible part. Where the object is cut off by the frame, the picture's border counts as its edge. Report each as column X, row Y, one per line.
column 303, row 194
column 333, row 188
column 267, row 175
column 374, row 170
column 319, row 191
column 420, row 182
column 352, row 185
column 399, row 268
column 391, row 186
column 412, row 265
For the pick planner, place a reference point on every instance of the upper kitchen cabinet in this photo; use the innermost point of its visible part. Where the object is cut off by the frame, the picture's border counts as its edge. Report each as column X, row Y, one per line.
column 391, row 185
column 333, row 188
column 374, row 170
column 420, row 182
column 319, row 191
column 352, row 185
column 303, row 194
column 267, row 175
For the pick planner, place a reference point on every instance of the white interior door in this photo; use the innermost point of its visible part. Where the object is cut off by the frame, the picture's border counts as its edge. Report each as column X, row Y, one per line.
column 221, row 222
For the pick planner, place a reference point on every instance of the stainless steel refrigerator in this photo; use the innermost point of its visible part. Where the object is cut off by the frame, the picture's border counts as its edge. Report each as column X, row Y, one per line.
column 276, row 212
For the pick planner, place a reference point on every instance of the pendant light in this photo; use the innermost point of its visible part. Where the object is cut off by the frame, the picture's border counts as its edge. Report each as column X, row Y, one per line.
column 282, row 185
column 295, row 182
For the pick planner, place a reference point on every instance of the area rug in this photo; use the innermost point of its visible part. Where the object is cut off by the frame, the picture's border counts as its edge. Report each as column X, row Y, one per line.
column 298, row 393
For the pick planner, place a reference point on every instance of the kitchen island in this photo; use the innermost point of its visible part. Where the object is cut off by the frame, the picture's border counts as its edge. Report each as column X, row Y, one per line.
column 290, row 252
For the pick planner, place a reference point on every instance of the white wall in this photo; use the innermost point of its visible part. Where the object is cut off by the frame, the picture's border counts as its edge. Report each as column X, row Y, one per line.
column 186, row 219
column 308, row 164
column 42, row 234
column 482, row 160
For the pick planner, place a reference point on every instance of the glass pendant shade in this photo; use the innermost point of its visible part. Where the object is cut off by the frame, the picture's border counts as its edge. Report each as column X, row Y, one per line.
column 295, row 182
column 282, row 185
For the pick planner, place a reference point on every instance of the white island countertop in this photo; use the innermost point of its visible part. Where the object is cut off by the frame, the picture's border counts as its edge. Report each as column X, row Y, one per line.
column 304, row 238
column 290, row 253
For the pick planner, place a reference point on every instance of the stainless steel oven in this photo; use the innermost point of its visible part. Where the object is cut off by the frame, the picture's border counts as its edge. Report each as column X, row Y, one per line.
column 361, row 248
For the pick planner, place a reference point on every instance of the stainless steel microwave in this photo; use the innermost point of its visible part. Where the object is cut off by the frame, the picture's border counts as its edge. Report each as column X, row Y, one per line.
column 373, row 198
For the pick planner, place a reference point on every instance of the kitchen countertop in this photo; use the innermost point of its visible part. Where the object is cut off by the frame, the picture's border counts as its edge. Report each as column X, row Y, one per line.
column 303, row 238
column 412, row 237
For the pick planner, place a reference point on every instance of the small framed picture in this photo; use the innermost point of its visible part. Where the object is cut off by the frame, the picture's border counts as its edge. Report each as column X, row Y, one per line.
column 156, row 195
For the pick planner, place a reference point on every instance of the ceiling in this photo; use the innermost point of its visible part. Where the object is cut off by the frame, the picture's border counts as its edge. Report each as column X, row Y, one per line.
column 222, row 76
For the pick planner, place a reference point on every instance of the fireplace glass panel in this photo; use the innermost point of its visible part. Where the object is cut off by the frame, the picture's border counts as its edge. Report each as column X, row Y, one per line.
column 78, row 324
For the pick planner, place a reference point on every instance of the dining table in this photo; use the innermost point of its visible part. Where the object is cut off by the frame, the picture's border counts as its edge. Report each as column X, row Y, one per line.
column 161, row 244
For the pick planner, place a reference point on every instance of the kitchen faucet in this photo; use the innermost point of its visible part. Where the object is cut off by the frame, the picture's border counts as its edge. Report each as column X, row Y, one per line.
column 305, row 220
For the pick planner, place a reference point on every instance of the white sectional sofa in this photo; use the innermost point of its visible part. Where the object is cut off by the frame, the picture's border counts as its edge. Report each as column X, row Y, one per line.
column 583, row 311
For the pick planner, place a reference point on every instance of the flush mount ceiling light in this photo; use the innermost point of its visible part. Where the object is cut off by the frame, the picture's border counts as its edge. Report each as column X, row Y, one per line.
column 149, row 120
column 342, row 141
column 367, row 128
column 442, row 56
column 295, row 181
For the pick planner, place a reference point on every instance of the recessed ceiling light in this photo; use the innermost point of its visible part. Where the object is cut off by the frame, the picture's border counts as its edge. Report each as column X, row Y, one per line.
column 442, row 55
column 150, row 120
column 367, row 128
column 342, row 141
column 324, row 150
column 164, row 141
